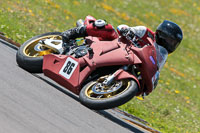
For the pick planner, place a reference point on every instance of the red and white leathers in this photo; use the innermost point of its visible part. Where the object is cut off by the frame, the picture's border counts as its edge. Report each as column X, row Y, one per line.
column 141, row 32
column 105, row 33
column 108, row 33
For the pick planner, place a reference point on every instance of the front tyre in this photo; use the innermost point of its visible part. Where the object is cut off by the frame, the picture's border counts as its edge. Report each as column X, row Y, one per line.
column 97, row 96
column 30, row 54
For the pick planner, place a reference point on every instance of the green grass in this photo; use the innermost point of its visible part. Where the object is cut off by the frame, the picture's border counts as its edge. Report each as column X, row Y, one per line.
column 175, row 104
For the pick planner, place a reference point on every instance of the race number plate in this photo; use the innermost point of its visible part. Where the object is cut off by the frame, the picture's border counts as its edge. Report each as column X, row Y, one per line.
column 68, row 68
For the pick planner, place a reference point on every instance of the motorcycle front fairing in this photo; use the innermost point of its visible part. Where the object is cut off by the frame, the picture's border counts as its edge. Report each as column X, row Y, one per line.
column 71, row 72
column 62, row 69
column 148, row 67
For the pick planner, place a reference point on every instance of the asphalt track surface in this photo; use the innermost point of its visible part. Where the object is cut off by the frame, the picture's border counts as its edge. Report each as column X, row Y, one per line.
column 33, row 104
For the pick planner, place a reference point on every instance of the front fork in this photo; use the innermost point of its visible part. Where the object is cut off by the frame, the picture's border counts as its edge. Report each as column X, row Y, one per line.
column 111, row 78
column 123, row 74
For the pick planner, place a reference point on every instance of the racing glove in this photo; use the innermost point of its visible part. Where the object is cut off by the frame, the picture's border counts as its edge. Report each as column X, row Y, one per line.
column 128, row 33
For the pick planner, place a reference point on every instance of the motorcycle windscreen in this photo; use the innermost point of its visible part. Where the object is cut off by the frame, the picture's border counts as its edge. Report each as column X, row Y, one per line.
column 63, row 69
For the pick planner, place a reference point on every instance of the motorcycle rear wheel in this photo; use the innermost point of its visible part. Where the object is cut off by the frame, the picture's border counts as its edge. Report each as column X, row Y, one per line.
column 107, row 97
column 30, row 59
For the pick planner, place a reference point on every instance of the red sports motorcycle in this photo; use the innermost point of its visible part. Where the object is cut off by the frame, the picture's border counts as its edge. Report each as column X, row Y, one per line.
column 104, row 74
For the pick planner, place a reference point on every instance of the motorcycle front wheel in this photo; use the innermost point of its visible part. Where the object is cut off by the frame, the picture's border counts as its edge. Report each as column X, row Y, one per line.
column 97, row 96
column 30, row 54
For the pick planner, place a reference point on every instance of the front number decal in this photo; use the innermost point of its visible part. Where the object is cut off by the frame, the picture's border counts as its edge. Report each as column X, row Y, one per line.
column 68, row 68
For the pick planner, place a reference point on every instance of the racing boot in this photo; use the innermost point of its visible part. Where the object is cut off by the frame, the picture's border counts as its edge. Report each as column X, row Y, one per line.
column 72, row 34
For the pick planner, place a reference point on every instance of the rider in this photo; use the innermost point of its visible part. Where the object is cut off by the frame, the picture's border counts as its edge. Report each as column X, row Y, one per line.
column 168, row 34
column 166, row 39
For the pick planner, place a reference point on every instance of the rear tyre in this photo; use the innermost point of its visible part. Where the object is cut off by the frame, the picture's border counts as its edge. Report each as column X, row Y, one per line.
column 30, row 59
column 98, row 97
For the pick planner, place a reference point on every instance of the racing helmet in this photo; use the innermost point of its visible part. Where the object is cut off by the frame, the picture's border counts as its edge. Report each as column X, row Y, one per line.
column 169, row 35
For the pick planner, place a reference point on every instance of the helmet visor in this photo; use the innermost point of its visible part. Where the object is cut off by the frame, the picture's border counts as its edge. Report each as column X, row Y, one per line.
column 168, row 42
